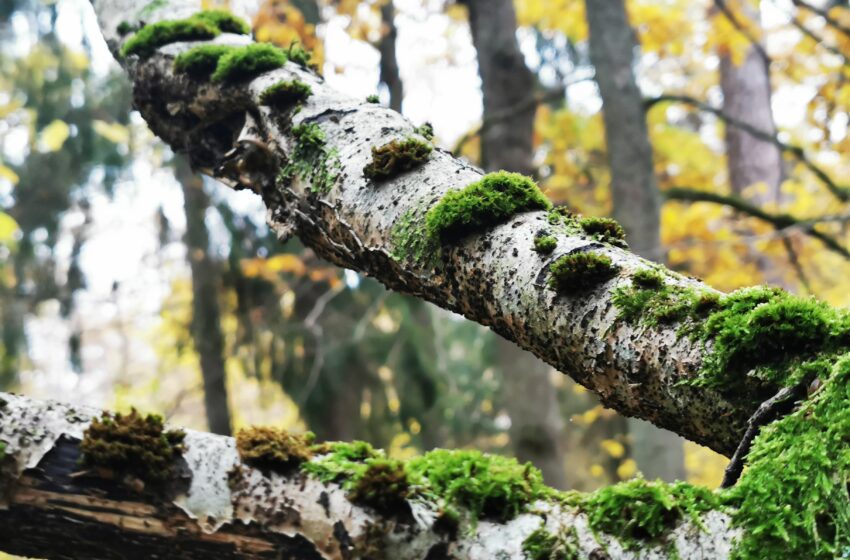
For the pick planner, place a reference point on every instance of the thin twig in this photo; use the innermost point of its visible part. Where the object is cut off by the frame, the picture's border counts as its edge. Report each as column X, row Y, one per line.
column 842, row 193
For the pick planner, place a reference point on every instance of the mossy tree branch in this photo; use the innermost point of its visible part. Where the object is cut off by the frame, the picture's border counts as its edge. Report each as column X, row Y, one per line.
column 237, row 499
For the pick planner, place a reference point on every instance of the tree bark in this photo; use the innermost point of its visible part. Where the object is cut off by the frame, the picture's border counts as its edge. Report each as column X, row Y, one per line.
column 51, row 507
column 536, row 423
column 637, row 202
column 389, row 73
column 206, row 315
column 746, row 98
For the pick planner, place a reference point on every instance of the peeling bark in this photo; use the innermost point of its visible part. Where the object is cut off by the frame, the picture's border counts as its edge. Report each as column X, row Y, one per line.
column 54, row 508
column 494, row 278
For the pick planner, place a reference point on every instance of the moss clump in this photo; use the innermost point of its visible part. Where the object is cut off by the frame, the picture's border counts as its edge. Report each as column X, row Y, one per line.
column 298, row 54
column 384, row 485
column 578, row 272
column 766, row 331
column 426, row 131
column 340, row 461
column 310, row 159
column 132, row 444
column 242, row 63
column 273, row 449
column 373, row 98
column 487, row 485
column 648, row 278
column 124, row 28
column 604, row 229
column 638, row 510
column 201, row 26
column 200, row 61
column 485, row 203
column 155, row 35
column 543, row 545
column 545, row 244
column 792, row 501
column 396, row 157
column 224, row 21
column 285, row 93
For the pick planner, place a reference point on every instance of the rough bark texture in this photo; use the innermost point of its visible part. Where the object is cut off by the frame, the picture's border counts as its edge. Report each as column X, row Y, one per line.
column 746, row 98
column 50, row 507
column 536, row 423
column 659, row 453
column 494, row 278
column 206, row 315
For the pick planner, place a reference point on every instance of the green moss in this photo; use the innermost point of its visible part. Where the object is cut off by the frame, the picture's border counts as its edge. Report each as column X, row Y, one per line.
column 426, row 131
column 273, row 449
column 578, row 272
column 410, row 240
column 298, row 54
column 792, row 501
column 224, row 21
column 373, row 98
column 155, row 35
column 249, row 61
column 132, row 444
column 648, row 278
column 545, row 244
column 396, row 157
column 637, row 511
column 285, row 93
column 2, row 450
column 124, row 28
column 200, row 61
column 543, row 545
column 310, row 160
column 341, row 461
column 384, row 485
column 607, row 230
column 483, row 204
column 487, row 485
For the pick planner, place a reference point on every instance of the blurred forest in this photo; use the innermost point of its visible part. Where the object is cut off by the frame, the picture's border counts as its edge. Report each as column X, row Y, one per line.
column 125, row 279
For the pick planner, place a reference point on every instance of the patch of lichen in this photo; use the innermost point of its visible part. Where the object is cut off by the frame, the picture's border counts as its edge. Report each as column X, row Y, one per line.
column 607, row 230
column 132, row 444
column 310, row 160
column 396, row 157
column 273, row 449
column 242, row 63
column 540, row 544
column 492, row 200
column 201, row 26
column 488, row 486
column 640, row 511
column 384, row 485
column 201, row 61
column 545, row 244
column 792, row 500
column 579, row 272
column 285, row 93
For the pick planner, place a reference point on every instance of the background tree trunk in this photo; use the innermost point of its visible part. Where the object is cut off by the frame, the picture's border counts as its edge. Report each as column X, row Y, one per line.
column 637, row 203
column 508, row 88
column 206, row 315
column 389, row 71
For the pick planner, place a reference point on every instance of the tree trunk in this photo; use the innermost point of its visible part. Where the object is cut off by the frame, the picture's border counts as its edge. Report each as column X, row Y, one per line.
column 390, row 75
column 206, row 316
column 637, row 203
column 221, row 507
column 536, row 423
column 746, row 98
